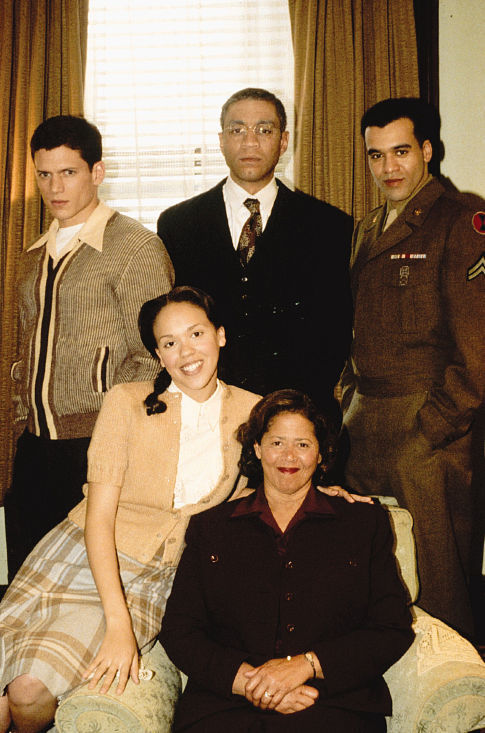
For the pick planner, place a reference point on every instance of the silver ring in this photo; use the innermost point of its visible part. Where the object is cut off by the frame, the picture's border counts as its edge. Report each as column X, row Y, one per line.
column 267, row 694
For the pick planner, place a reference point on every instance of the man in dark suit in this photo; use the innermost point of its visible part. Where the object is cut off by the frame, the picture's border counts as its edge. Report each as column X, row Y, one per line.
column 275, row 260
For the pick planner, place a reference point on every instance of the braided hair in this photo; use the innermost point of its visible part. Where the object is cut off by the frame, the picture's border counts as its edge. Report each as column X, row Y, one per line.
column 146, row 320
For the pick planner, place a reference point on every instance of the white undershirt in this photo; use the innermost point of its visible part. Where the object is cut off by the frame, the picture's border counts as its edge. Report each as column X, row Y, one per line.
column 65, row 239
column 200, row 463
column 238, row 214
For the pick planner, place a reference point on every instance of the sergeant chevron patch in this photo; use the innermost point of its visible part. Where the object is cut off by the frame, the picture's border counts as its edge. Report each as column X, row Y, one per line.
column 477, row 269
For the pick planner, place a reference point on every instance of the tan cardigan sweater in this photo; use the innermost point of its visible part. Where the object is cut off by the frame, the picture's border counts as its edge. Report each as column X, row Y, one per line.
column 89, row 340
column 139, row 453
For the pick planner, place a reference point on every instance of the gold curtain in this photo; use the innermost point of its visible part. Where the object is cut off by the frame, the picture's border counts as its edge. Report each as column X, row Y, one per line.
column 42, row 60
column 349, row 54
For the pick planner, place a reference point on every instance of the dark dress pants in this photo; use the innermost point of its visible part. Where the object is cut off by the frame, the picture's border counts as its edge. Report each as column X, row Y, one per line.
column 48, row 476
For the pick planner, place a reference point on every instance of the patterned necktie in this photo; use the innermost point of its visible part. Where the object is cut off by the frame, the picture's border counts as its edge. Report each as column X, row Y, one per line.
column 251, row 229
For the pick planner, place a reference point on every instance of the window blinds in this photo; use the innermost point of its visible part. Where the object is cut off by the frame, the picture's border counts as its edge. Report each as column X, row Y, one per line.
column 157, row 75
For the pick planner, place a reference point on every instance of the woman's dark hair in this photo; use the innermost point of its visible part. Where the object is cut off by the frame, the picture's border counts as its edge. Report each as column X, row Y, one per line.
column 258, row 423
column 146, row 320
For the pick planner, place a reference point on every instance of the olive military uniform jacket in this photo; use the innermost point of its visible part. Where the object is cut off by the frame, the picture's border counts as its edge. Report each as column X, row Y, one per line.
column 419, row 300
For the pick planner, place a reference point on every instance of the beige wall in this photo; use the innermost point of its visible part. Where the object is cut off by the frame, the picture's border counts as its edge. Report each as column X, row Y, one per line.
column 462, row 92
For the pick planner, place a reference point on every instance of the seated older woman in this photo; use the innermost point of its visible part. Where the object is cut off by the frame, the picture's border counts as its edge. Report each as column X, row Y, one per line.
column 286, row 607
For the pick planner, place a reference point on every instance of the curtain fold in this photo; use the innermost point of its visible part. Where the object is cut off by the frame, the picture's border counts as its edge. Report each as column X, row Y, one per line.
column 349, row 54
column 42, row 62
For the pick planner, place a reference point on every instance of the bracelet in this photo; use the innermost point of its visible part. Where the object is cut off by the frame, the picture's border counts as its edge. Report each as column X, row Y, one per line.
column 309, row 657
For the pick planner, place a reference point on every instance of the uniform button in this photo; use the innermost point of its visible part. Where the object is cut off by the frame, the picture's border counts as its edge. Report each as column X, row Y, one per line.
column 214, row 558
column 289, row 596
column 289, row 565
column 244, row 279
column 245, row 314
column 290, row 628
column 417, row 212
column 244, row 296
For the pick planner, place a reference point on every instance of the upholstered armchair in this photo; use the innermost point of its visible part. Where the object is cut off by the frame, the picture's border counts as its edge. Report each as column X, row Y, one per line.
column 438, row 686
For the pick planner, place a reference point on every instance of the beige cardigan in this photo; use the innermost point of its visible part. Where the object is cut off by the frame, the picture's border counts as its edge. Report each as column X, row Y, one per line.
column 139, row 453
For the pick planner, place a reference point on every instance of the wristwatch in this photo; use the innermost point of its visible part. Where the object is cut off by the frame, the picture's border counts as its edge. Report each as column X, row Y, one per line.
column 309, row 657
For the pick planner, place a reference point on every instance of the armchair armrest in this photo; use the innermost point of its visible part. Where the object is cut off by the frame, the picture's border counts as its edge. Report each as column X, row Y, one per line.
column 143, row 708
column 438, row 686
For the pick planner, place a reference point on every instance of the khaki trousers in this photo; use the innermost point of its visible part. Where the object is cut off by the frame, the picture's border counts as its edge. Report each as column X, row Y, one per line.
column 389, row 457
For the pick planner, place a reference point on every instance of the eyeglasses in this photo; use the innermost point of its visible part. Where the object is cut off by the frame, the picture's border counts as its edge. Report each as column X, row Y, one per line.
column 261, row 129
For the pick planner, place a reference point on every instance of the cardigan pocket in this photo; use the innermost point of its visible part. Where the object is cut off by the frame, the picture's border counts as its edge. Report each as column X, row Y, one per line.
column 100, row 369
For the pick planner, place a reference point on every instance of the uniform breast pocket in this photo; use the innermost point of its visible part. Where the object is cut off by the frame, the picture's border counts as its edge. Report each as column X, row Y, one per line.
column 410, row 298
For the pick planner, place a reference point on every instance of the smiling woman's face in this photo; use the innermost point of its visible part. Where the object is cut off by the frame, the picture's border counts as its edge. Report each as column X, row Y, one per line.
column 188, row 347
column 289, row 453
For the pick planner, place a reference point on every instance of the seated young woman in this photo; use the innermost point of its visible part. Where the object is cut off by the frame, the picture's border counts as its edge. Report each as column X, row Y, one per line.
column 286, row 607
column 91, row 595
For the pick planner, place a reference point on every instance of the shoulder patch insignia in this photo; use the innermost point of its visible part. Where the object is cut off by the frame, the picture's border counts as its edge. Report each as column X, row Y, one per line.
column 478, row 222
column 477, row 269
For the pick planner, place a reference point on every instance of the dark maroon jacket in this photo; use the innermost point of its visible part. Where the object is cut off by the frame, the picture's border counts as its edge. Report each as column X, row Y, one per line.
column 336, row 592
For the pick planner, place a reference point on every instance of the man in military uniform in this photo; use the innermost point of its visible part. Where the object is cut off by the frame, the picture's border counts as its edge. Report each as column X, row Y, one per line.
column 417, row 369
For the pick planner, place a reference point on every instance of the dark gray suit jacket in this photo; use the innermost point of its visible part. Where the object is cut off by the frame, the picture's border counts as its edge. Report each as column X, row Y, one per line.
column 288, row 313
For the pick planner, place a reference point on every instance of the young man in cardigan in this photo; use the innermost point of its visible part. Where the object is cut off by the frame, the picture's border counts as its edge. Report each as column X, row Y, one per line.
column 81, row 286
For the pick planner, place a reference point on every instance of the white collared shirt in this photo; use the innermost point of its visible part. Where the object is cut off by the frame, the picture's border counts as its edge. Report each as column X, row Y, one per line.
column 91, row 232
column 237, row 214
column 200, row 463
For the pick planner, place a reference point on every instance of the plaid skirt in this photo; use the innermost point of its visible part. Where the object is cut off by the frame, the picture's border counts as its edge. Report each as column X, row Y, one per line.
column 51, row 617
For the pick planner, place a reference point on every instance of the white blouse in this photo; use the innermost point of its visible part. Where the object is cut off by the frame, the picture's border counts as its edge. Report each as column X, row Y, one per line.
column 200, row 461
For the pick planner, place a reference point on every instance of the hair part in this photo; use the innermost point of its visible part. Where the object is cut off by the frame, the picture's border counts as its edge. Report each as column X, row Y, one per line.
column 425, row 118
column 259, row 94
column 146, row 321
column 260, row 419
column 73, row 132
